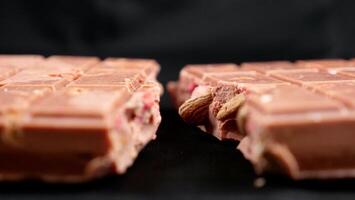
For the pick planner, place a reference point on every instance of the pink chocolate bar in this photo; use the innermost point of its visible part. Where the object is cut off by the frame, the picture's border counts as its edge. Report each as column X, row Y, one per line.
column 73, row 119
column 292, row 118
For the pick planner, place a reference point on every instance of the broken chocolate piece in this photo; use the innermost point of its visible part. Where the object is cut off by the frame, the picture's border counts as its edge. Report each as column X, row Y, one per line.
column 65, row 123
column 291, row 118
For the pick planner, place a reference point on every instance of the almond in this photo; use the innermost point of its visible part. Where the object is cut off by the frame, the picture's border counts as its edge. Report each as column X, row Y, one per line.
column 230, row 107
column 241, row 117
column 195, row 110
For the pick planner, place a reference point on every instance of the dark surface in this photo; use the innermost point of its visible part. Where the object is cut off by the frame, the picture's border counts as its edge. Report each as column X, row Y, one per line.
column 185, row 162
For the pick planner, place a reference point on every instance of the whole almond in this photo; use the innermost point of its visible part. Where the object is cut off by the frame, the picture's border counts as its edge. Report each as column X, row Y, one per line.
column 195, row 110
column 230, row 107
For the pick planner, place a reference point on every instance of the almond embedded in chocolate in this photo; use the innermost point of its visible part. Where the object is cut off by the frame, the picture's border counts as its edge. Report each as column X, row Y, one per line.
column 195, row 110
column 230, row 107
column 298, row 118
column 241, row 117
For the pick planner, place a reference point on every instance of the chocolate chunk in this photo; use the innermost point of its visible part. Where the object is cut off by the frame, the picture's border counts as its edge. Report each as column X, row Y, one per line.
column 296, row 118
column 66, row 120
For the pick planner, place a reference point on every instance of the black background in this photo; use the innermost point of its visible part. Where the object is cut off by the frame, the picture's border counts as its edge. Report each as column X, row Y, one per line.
column 182, row 162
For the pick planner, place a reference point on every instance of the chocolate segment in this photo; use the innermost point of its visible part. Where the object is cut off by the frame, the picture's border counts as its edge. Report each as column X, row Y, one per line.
column 69, row 119
column 149, row 67
column 292, row 118
column 266, row 67
column 325, row 63
column 20, row 61
column 309, row 76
